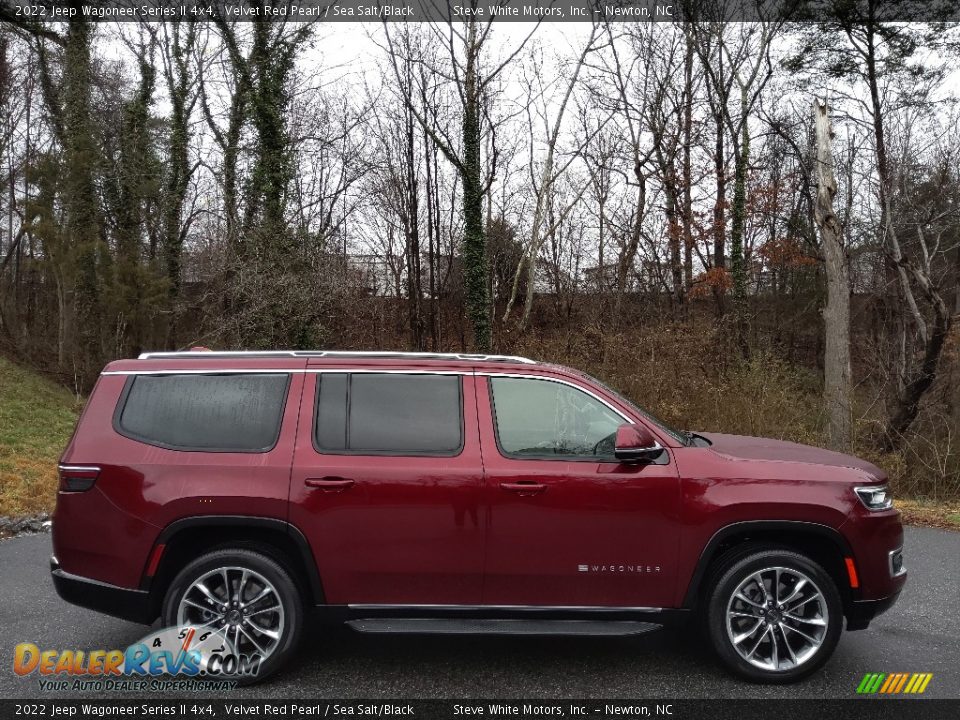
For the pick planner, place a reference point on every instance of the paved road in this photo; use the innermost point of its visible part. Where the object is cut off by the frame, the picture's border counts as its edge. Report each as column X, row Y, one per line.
column 920, row 634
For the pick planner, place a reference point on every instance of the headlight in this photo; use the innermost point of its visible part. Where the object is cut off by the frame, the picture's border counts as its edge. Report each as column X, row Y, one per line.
column 875, row 497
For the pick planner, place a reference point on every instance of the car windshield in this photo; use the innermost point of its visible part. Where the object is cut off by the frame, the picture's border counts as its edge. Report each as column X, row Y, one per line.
column 679, row 435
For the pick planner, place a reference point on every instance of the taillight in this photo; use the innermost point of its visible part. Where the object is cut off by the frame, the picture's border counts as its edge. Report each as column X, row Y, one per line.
column 77, row 478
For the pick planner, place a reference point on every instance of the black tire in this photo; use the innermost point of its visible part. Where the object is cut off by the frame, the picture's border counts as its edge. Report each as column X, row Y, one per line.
column 770, row 621
column 289, row 598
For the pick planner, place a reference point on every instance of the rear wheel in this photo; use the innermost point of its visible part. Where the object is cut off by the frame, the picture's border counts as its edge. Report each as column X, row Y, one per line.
column 774, row 616
column 245, row 595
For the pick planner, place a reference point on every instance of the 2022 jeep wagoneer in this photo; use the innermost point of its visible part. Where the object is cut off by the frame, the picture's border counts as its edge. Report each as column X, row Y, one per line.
column 456, row 493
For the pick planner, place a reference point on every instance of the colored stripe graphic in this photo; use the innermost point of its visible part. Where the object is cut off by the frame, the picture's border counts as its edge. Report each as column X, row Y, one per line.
column 918, row 683
column 894, row 683
column 870, row 683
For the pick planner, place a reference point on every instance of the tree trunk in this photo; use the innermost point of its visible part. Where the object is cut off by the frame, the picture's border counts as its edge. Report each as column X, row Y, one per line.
column 179, row 77
column 907, row 404
column 673, row 211
column 474, row 240
column 432, row 220
column 719, row 220
column 738, row 216
column 414, row 287
column 80, row 197
column 687, row 169
column 629, row 253
column 231, row 155
column 738, row 212
column 836, row 381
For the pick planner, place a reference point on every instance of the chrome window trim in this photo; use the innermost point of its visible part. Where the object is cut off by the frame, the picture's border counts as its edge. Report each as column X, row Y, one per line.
column 548, row 378
column 400, row 371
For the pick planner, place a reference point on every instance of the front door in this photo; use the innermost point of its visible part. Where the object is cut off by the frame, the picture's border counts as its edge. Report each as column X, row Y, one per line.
column 569, row 525
column 386, row 485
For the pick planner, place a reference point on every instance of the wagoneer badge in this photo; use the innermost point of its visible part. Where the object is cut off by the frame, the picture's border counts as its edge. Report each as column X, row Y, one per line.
column 618, row 568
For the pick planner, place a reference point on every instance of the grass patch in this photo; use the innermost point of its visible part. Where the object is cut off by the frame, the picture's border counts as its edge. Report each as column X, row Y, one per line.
column 37, row 417
column 930, row 514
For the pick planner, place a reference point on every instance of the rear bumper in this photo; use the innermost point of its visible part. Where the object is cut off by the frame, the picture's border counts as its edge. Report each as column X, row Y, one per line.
column 862, row 612
column 124, row 603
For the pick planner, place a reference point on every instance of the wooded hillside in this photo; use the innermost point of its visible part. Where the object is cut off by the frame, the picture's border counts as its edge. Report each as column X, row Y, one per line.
column 747, row 227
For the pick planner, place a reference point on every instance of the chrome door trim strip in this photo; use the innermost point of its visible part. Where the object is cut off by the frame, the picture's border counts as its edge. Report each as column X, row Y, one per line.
column 480, row 608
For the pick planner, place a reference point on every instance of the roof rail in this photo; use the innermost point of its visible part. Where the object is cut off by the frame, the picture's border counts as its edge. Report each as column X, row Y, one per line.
column 214, row 354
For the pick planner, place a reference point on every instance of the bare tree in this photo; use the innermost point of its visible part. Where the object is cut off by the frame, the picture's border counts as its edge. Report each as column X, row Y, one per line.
column 543, row 182
column 837, row 380
column 734, row 57
column 466, row 46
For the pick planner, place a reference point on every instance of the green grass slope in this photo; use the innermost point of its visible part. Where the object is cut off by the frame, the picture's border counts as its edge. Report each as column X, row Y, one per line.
column 36, row 419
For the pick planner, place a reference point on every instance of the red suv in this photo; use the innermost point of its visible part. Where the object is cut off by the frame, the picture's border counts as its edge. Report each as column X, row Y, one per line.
column 403, row 492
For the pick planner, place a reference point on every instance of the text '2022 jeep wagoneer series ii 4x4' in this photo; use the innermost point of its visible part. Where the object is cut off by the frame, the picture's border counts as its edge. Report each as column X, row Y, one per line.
column 401, row 492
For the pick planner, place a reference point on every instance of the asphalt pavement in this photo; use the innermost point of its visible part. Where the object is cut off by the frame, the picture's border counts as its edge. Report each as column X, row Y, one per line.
column 920, row 634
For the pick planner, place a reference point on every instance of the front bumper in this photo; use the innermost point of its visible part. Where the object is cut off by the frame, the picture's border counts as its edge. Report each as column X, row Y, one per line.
column 126, row 603
column 861, row 612
column 876, row 539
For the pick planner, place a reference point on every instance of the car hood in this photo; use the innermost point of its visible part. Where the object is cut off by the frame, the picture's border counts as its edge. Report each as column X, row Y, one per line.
column 754, row 448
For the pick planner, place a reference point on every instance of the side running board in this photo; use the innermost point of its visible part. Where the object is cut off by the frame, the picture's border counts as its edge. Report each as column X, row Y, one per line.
column 462, row 626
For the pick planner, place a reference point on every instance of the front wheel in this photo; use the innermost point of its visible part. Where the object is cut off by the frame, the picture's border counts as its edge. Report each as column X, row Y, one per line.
column 245, row 596
column 774, row 616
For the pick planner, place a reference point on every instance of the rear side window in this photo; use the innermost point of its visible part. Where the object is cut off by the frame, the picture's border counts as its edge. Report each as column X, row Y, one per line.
column 388, row 414
column 213, row 413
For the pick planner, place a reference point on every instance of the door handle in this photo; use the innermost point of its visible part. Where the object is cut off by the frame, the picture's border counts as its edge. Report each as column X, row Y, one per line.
column 525, row 488
column 330, row 483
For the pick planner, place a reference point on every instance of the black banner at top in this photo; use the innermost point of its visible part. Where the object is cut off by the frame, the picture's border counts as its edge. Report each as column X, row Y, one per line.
column 499, row 10
column 516, row 709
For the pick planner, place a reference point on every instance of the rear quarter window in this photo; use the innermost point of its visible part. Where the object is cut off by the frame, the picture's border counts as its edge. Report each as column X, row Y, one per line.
column 204, row 412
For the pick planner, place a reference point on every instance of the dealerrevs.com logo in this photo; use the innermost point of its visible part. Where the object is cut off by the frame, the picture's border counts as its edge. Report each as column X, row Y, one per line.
column 186, row 653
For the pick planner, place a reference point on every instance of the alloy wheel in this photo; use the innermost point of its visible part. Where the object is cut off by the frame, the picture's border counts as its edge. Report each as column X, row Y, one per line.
column 777, row 618
column 239, row 602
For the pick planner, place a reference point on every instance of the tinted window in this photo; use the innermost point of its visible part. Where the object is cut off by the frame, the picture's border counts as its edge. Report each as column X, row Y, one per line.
column 540, row 418
column 205, row 412
column 389, row 413
column 332, row 412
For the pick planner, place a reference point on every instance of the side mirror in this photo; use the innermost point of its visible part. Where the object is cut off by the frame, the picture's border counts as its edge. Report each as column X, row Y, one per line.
column 635, row 443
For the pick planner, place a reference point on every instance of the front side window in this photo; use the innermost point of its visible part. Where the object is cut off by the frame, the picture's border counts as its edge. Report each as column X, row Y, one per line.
column 388, row 414
column 214, row 413
column 544, row 419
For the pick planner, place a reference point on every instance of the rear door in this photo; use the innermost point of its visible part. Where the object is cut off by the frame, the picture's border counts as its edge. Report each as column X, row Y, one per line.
column 569, row 525
column 386, row 485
